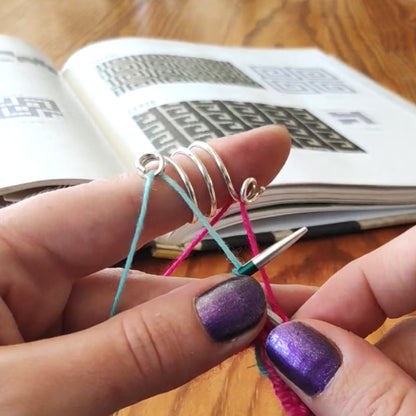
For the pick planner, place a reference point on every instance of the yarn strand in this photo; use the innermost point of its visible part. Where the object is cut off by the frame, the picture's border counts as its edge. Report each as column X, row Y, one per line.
column 197, row 239
column 203, row 220
column 139, row 226
column 289, row 400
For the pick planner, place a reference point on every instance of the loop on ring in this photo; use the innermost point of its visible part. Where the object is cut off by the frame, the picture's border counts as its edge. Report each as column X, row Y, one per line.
column 204, row 172
column 220, row 165
column 187, row 183
column 250, row 191
column 144, row 160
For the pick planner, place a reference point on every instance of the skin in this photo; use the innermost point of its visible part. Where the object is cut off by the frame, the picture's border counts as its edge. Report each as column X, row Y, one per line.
column 372, row 380
column 61, row 355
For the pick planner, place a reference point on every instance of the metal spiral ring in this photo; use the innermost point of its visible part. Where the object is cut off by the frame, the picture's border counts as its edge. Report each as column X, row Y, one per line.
column 144, row 160
column 220, row 165
column 207, row 178
column 188, row 185
column 250, row 191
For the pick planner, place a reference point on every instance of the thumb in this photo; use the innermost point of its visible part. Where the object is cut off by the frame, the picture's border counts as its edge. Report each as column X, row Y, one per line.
column 337, row 373
column 141, row 352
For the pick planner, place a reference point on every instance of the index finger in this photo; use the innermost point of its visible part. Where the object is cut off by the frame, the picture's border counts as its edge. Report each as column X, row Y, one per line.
column 363, row 293
column 80, row 230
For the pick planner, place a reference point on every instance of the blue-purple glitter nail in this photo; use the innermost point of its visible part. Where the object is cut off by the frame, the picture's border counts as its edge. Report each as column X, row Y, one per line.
column 231, row 308
column 303, row 355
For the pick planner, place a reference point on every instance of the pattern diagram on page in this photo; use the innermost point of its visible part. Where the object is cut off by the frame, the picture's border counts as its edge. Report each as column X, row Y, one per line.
column 133, row 72
column 15, row 107
column 173, row 125
column 296, row 80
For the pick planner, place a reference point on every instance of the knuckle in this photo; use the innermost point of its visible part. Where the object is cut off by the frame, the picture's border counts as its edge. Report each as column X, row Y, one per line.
column 384, row 398
column 154, row 349
column 142, row 346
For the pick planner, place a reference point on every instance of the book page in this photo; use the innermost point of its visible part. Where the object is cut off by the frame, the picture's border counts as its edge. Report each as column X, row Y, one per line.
column 47, row 138
column 346, row 131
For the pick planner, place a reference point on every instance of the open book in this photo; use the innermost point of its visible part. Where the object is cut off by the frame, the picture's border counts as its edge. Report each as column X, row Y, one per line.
column 353, row 145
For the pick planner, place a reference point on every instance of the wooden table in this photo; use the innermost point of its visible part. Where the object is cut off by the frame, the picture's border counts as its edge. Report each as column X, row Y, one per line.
column 376, row 37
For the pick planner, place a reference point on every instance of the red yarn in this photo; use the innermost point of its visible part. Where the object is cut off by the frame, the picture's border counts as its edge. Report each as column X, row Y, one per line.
column 291, row 403
column 254, row 248
column 197, row 239
column 289, row 400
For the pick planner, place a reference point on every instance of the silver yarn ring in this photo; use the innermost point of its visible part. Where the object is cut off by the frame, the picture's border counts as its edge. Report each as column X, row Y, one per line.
column 188, row 185
column 220, row 165
column 207, row 179
column 144, row 160
column 250, row 191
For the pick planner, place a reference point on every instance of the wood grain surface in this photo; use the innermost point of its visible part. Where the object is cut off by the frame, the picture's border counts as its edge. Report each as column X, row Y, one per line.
column 376, row 37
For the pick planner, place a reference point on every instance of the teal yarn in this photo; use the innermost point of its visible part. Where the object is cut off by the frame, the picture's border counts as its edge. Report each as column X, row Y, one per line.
column 259, row 361
column 290, row 402
column 203, row 220
column 223, row 246
column 139, row 226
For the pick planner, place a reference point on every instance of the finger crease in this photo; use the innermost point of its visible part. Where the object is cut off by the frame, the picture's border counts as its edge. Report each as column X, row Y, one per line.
column 367, row 283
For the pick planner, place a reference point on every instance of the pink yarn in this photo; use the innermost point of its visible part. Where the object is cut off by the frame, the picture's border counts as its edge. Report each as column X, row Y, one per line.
column 197, row 239
column 289, row 400
column 291, row 403
column 254, row 248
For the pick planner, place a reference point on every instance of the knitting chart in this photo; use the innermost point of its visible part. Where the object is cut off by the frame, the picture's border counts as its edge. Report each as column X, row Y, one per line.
column 173, row 125
column 12, row 57
column 352, row 117
column 15, row 107
column 133, row 72
column 292, row 80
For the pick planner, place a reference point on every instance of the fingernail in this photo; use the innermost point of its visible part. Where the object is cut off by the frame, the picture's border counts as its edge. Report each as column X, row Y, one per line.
column 303, row 355
column 231, row 308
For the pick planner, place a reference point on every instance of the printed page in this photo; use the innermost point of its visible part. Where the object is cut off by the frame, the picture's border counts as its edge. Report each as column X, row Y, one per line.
column 46, row 136
column 346, row 130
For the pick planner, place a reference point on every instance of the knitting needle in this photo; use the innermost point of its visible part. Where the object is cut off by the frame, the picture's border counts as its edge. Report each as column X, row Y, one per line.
column 275, row 319
column 257, row 262
column 253, row 265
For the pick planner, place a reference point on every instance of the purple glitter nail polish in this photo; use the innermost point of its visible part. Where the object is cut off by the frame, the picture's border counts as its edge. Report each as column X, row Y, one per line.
column 231, row 308
column 303, row 355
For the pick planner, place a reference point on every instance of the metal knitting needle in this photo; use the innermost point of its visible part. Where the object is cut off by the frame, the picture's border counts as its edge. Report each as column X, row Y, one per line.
column 265, row 257
column 253, row 265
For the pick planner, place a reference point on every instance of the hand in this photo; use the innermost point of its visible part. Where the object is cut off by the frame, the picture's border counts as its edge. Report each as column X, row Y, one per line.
column 55, row 288
column 334, row 371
